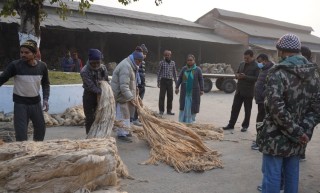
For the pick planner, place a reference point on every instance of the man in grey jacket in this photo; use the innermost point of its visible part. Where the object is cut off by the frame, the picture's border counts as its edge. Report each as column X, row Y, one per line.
column 124, row 87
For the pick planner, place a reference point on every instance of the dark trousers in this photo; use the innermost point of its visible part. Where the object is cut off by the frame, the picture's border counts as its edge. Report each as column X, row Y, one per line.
column 90, row 104
column 166, row 86
column 261, row 112
column 22, row 114
column 236, row 107
column 142, row 90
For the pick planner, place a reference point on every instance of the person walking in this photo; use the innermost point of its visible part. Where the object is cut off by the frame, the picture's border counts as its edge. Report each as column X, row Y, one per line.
column 292, row 111
column 259, row 92
column 191, row 81
column 29, row 74
column 124, row 87
column 166, row 73
column 247, row 75
column 92, row 73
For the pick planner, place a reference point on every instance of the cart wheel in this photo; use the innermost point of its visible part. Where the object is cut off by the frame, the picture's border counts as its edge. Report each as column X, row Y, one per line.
column 219, row 82
column 229, row 85
column 207, row 85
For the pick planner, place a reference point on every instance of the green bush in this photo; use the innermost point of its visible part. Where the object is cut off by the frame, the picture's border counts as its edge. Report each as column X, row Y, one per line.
column 59, row 78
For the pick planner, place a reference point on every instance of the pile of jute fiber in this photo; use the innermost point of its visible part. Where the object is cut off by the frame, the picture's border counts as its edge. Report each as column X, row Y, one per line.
column 176, row 144
column 60, row 166
column 105, row 114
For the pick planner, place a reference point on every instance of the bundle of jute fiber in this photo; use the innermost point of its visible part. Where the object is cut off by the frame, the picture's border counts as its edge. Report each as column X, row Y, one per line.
column 59, row 165
column 176, row 145
column 207, row 131
column 7, row 132
column 73, row 116
column 105, row 113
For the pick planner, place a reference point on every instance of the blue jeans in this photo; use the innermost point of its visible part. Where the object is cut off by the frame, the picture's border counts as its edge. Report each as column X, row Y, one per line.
column 271, row 169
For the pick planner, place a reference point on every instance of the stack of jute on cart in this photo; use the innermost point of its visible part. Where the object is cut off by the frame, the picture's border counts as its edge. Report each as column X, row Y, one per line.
column 176, row 144
column 219, row 68
column 65, row 165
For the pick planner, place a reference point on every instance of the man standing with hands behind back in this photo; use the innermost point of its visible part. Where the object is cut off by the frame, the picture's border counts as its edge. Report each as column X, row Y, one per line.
column 166, row 73
column 247, row 75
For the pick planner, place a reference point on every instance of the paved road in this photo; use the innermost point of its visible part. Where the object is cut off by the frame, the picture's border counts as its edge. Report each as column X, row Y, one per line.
column 241, row 172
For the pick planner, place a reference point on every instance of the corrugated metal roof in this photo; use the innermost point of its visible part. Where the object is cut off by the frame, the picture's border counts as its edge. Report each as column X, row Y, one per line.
column 104, row 10
column 106, row 26
column 238, row 16
column 268, row 32
column 266, row 47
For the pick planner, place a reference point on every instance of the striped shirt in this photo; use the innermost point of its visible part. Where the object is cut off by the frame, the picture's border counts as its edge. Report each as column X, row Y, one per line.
column 167, row 70
column 27, row 81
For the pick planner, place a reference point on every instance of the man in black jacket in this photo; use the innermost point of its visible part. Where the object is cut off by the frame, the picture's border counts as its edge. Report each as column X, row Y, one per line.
column 29, row 74
column 247, row 75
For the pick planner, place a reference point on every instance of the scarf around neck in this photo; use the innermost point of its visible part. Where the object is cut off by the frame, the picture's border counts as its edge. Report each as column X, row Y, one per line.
column 188, row 77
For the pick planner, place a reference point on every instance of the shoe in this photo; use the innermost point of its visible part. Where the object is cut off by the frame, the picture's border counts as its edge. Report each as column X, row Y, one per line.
column 129, row 135
column 255, row 147
column 228, row 127
column 244, row 129
column 170, row 113
column 161, row 113
column 125, row 139
column 137, row 123
column 259, row 188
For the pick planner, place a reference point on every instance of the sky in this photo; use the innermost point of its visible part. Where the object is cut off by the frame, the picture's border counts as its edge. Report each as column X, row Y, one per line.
column 302, row 12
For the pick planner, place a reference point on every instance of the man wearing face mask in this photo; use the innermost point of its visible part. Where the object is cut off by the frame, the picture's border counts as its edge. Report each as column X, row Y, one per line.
column 124, row 87
column 259, row 92
column 292, row 104
column 29, row 74
column 92, row 73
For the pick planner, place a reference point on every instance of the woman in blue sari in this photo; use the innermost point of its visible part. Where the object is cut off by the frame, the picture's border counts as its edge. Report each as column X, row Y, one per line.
column 191, row 81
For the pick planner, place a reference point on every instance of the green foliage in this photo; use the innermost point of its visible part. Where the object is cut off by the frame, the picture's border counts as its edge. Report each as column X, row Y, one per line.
column 59, row 78
column 12, row 7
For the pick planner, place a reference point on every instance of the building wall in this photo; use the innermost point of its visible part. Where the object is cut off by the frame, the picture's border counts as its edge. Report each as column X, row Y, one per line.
column 224, row 30
column 115, row 47
column 61, row 98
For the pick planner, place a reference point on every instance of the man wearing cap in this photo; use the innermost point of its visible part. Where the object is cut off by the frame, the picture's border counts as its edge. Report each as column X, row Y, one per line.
column 292, row 104
column 142, row 82
column 124, row 87
column 29, row 74
column 92, row 73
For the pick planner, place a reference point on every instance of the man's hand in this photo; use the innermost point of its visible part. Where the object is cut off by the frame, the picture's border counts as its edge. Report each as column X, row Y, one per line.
column 133, row 102
column 177, row 91
column 241, row 76
column 158, row 85
column 45, row 106
column 201, row 93
column 98, row 97
column 304, row 139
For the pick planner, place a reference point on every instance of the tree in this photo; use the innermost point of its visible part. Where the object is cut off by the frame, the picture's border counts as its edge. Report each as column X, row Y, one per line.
column 31, row 14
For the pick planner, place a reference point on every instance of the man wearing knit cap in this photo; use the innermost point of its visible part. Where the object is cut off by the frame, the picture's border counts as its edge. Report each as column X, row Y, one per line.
column 92, row 73
column 292, row 104
column 142, row 83
column 29, row 74
column 124, row 87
